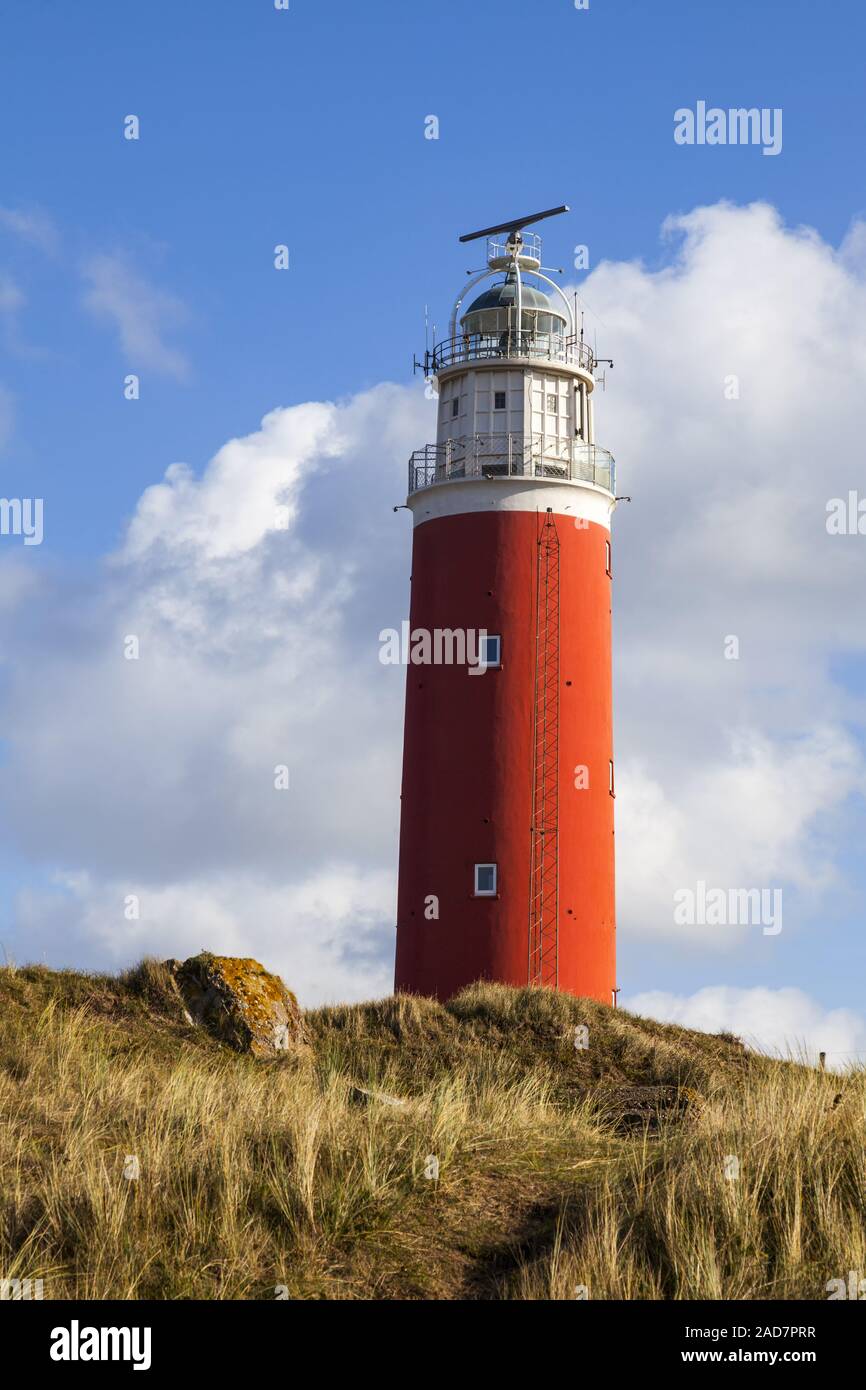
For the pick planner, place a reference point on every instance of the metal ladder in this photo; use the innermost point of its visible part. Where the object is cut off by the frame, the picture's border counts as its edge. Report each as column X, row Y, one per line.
column 544, row 827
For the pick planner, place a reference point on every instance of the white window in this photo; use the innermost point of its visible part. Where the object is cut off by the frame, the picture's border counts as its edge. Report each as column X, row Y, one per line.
column 610, row 778
column 455, row 407
column 485, row 880
column 607, row 557
column 498, row 400
column 551, row 405
column 490, row 653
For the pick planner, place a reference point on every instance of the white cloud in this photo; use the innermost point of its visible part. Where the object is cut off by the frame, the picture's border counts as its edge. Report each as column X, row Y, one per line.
column 730, row 770
column 330, row 934
column 32, row 225
column 782, row 1022
column 141, row 313
column 222, row 516
column 258, row 647
column 742, row 816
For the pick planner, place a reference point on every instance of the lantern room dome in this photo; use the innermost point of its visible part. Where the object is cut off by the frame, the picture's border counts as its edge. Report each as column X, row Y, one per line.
column 504, row 296
column 495, row 311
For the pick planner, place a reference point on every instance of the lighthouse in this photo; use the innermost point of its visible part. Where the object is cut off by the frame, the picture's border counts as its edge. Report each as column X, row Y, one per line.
column 507, row 805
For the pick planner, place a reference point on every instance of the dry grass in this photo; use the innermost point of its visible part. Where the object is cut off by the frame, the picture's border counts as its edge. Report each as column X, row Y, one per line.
column 301, row 1173
column 672, row 1223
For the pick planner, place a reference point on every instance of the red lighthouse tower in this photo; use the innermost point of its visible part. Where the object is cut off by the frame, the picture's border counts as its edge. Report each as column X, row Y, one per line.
column 506, row 836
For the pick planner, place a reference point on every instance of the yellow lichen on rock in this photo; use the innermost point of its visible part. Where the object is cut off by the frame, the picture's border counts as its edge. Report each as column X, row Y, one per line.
column 239, row 1002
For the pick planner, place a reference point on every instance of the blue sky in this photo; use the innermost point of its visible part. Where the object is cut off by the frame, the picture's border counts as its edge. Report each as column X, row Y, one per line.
column 306, row 127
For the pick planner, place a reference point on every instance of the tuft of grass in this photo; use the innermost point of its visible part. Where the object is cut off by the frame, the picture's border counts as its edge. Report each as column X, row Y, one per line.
column 152, row 982
column 556, row 1166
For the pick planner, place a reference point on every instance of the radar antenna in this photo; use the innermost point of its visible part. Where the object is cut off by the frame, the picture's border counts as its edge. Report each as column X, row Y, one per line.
column 515, row 224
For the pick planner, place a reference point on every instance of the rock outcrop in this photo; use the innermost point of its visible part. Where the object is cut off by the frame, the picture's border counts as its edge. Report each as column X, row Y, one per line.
column 239, row 1002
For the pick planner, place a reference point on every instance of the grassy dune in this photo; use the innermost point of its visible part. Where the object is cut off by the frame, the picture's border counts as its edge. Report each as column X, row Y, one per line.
column 559, row 1169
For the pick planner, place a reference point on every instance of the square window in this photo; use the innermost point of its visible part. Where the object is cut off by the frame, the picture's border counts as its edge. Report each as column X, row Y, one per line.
column 485, row 880
column 498, row 400
column 455, row 407
column 551, row 405
column 490, row 650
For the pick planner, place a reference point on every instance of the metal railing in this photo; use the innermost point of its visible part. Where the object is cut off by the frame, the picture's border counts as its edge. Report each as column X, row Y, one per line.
column 480, row 347
column 511, row 456
column 498, row 246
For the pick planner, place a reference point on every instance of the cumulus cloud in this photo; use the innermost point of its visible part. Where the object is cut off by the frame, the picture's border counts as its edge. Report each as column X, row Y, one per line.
column 255, row 594
column 781, row 1022
column 141, row 313
column 331, row 932
column 747, row 815
column 256, row 587
column 734, row 413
